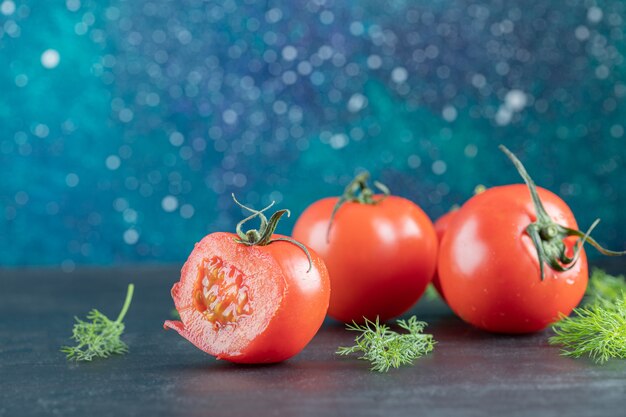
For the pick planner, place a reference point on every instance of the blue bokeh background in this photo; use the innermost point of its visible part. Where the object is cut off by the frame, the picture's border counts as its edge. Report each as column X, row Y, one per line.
column 125, row 125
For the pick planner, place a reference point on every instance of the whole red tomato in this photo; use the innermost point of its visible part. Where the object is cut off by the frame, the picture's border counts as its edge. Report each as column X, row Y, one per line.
column 511, row 260
column 441, row 226
column 380, row 251
column 253, row 297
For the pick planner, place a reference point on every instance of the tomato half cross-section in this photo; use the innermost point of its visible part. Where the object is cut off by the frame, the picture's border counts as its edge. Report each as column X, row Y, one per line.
column 512, row 258
column 251, row 297
column 380, row 250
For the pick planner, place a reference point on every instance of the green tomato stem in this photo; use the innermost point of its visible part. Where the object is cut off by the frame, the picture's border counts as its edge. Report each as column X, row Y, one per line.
column 548, row 236
column 263, row 236
column 358, row 191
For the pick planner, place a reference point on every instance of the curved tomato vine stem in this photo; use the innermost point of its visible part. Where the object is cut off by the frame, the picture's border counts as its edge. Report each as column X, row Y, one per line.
column 358, row 191
column 263, row 236
column 548, row 236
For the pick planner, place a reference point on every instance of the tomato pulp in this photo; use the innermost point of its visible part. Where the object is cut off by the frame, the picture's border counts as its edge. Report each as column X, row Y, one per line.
column 250, row 303
column 380, row 256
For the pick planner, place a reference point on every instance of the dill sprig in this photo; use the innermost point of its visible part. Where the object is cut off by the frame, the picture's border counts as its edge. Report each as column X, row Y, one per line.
column 99, row 337
column 385, row 348
column 597, row 330
column 431, row 293
column 603, row 286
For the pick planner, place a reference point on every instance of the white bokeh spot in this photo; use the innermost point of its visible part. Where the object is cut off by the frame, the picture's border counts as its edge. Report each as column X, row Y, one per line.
column 50, row 58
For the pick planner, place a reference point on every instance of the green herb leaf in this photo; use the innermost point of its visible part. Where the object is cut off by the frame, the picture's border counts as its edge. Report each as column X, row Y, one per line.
column 431, row 293
column 99, row 337
column 603, row 286
column 385, row 348
column 597, row 330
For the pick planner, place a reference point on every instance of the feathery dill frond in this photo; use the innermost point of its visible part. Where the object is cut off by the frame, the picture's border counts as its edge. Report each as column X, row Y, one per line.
column 604, row 286
column 385, row 348
column 597, row 330
column 98, row 337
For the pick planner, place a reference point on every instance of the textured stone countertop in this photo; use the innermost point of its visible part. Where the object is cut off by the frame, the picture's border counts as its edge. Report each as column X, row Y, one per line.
column 470, row 373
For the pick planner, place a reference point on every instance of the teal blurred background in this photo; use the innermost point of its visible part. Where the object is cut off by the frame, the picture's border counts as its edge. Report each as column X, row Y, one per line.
column 126, row 125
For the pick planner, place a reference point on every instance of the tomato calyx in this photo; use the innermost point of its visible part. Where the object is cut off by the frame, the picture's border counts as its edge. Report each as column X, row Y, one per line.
column 263, row 236
column 548, row 236
column 358, row 191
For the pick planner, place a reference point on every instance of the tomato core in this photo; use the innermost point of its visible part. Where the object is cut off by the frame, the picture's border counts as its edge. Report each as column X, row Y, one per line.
column 221, row 293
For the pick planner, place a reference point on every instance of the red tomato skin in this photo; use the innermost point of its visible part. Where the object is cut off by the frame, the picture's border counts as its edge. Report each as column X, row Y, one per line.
column 380, row 257
column 288, row 303
column 488, row 265
column 441, row 226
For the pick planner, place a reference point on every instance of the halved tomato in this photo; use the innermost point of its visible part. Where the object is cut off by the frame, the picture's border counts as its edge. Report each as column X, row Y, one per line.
column 253, row 297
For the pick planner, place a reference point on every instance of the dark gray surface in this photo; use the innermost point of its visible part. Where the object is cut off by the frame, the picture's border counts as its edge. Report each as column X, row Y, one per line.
column 470, row 372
